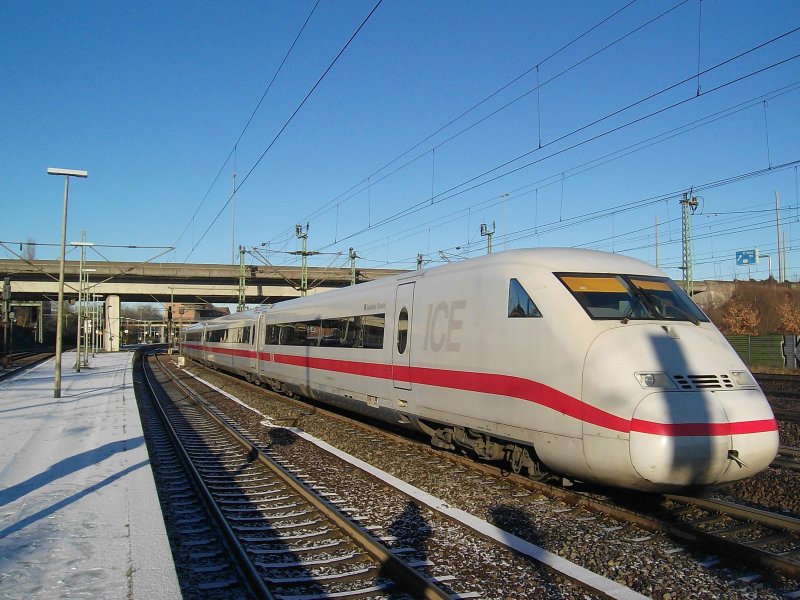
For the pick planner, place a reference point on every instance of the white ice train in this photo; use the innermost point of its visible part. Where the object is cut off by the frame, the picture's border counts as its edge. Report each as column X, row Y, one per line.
column 591, row 365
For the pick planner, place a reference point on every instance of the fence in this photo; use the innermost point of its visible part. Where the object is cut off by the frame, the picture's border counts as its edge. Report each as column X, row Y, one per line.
column 780, row 351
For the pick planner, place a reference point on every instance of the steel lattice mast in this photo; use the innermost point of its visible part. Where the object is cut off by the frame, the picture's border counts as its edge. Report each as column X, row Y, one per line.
column 688, row 206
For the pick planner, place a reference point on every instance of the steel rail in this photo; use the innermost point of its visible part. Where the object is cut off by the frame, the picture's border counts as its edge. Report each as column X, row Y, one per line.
column 787, row 414
column 20, row 368
column 788, row 458
column 755, row 515
column 247, row 568
column 655, row 522
column 390, row 563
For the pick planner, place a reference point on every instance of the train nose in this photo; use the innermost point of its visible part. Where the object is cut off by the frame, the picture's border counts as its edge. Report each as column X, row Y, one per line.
column 702, row 437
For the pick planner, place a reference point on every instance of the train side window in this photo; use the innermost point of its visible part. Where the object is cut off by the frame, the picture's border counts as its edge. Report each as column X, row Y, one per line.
column 520, row 304
column 300, row 334
column 402, row 330
column 350, row 332
column 372, row 330
column 286, row 334
column 330, row 332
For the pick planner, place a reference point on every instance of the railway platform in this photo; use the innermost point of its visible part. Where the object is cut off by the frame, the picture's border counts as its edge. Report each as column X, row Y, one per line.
column 79, row 513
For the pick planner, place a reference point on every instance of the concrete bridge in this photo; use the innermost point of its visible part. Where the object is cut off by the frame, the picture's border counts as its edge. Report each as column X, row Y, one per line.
column 37, row 280
column 116, row 282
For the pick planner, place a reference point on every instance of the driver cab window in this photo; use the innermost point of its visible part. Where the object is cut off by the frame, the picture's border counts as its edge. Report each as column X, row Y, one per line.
column 520, row 304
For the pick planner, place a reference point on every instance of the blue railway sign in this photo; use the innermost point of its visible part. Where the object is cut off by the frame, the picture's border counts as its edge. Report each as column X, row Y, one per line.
column 746, row 257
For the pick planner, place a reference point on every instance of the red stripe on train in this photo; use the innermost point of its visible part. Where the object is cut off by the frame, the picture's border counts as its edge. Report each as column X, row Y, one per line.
column 513, row 387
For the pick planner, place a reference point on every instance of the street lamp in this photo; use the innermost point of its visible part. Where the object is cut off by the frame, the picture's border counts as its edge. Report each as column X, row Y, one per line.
column 67, row 173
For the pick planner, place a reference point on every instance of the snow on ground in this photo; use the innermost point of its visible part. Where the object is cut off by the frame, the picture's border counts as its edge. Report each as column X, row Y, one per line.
column 79, row 515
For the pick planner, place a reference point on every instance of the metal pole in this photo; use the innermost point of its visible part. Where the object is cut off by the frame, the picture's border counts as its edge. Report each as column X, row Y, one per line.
column 6, row 321
column 778, row 225
column 242, row 305
column 67, row 173
column 233, row 220
column 353, row 258
column 657, row 266
column 488, row 234
column 59, row 326
column 304, row 274
column 80, row 303
column 688, row 206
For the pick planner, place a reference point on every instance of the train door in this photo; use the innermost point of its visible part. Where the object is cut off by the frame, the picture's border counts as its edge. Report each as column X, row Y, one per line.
column 252, row 353
column 401, row 345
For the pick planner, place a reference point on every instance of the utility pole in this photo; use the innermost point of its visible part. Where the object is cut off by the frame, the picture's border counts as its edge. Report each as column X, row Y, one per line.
column 81, row 275
column 656, row 241
column 778, row 225
column 170, row 331
column 241, row 306
column 353, row 257
column 6, row 320
column 688, row 206
column 488, row 234
column 304, row 254
column 233, row 219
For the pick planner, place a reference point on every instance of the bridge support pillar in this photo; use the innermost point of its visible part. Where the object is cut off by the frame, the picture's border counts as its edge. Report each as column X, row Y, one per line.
column 111, row 333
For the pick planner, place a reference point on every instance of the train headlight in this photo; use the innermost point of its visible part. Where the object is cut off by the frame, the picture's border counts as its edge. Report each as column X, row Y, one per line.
column 744, row 379
column 655, row 380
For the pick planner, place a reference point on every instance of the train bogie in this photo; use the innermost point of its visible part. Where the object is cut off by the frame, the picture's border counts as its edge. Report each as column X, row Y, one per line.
column 588, row 364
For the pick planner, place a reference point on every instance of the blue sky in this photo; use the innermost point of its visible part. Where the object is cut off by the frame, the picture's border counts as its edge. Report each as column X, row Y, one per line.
column 151, row 97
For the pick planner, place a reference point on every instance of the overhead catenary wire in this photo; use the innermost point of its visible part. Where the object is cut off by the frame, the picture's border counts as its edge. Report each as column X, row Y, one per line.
column 461, row 188
column 249, row 121
column 286, row 124
column 636, row 204
column 354, row 190
column 605, row 117
column 595, row 162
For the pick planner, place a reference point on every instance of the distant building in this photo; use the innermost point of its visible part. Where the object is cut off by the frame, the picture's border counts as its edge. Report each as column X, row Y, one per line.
column 193, row 312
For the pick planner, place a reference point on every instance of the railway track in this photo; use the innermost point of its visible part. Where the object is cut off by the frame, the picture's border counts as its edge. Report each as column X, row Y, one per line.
column 203, row 563
column 288, row 540
column 740, row 536
column 784, row 414
column 22, row 360
column 788, row 458
column 762, row 539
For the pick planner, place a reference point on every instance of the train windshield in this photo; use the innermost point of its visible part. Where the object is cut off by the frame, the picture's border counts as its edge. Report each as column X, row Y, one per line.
column 631, row 297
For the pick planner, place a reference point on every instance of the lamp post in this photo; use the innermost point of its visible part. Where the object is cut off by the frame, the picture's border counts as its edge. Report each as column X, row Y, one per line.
column 67, row 173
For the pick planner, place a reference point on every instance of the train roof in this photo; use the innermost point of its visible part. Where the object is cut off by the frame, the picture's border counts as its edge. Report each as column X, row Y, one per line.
column 549, row 259
column 568, row 259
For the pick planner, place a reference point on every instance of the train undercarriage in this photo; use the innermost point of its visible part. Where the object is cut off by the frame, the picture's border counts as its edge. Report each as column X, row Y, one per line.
column 484, row 447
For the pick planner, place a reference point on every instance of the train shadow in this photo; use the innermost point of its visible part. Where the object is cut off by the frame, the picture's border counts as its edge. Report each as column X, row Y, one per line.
column 261, row 512
column 409, row 537
column 688, row 459
column 511, row 518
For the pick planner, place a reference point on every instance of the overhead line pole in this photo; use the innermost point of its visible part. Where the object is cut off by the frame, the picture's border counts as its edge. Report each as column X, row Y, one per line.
column 778, row 226
column 242, row 282
column 304, row 254
column 353, row 257
column 688, row 206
